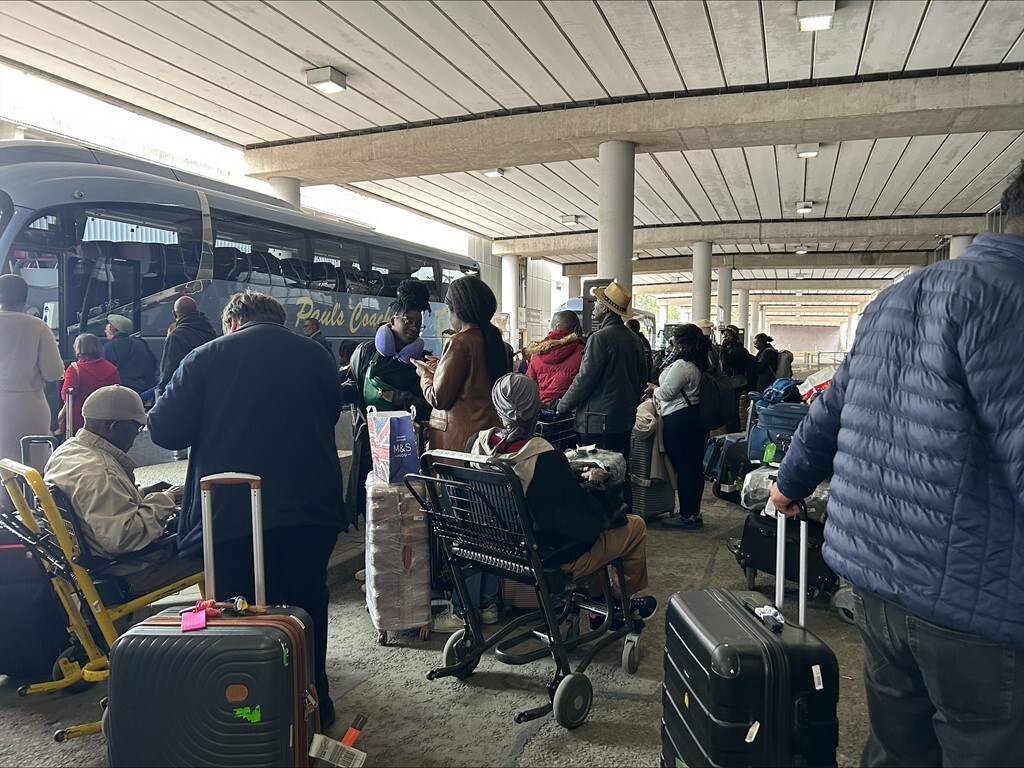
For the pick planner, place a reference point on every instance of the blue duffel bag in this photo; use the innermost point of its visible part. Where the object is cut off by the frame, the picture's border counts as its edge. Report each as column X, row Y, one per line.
column 773, row 420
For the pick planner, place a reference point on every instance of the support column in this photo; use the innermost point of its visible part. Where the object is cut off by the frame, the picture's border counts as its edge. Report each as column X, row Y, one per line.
column 958, row 244
column 743, row 310
column 575, row 286
column 724, row 295
column 755, row 322
column 701, row 281
column 287, row 188
column 615, row 212
column 662, row 320
column 510, row 299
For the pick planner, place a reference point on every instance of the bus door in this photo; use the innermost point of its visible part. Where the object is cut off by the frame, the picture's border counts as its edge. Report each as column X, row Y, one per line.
column 96, row 284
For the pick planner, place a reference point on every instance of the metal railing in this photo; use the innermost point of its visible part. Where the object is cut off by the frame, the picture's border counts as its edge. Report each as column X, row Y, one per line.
column 821, row 359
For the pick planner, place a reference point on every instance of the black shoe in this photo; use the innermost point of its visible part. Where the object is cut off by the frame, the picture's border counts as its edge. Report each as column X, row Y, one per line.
column 684, row 523
column 327, row 715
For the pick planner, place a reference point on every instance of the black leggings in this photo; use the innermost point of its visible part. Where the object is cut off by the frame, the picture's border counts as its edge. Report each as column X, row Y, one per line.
column 684, row 443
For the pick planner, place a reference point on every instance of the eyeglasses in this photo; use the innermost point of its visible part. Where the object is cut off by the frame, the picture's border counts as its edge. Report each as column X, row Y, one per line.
column 407, row 321
column 138, row 425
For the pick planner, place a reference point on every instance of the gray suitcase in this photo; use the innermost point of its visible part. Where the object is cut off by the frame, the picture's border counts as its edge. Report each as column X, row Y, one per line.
column 650, row 497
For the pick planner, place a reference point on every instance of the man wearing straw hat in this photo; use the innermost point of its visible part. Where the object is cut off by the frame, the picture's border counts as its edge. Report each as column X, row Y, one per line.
column 612, row 377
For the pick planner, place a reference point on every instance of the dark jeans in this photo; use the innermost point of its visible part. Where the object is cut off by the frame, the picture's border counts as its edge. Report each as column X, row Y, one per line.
column 684, row 444
column 612, row 441
column 936, row 696
column 296, row 561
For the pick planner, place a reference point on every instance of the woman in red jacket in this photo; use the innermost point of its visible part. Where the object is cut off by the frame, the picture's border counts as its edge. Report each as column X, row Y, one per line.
column 87, row 374
column 555, row 361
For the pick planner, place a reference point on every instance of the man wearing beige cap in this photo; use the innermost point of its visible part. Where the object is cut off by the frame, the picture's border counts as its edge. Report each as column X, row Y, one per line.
column 612, row 376
column 135, row 361
column 116, row 516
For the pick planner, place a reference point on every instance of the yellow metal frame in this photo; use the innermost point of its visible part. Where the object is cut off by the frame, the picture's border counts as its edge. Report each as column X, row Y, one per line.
column 96, row 668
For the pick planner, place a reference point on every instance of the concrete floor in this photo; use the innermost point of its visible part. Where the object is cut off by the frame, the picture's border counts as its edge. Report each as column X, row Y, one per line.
column 413, row 721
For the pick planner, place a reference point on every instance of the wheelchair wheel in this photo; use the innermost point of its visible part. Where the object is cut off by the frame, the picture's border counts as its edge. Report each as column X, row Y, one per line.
column 455, row 650
column 842, row 601
column 631, row 653
column 70, row 654
column 573, row 699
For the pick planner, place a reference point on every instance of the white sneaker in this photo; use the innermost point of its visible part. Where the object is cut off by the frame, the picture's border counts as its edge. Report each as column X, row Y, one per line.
column 361, row 575
column 489, row 615
column 447, row 621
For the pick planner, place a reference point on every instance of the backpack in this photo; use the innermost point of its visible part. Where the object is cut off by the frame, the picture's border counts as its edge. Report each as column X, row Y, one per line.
column 784, row 368
column 782, row 390
column 716, row 400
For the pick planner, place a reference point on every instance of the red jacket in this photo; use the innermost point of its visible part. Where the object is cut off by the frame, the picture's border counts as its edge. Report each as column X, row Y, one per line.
column 554, row 363
column 86, row 376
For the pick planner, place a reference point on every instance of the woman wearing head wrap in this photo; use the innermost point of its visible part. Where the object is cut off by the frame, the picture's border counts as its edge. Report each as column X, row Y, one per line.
column 381, row 374
column 571, row 525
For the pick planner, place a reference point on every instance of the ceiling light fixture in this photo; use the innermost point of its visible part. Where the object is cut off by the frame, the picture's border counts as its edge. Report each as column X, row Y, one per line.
column 801, row 249
column 494, row 173
column 815, row 15
column 807, row 150
column 804, row 206
column 636, row 257
column 571, row 219
column 326, row 79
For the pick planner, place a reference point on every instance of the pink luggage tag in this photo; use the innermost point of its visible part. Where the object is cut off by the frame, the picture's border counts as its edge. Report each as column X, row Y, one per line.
column 192, row 620
column 196, row 617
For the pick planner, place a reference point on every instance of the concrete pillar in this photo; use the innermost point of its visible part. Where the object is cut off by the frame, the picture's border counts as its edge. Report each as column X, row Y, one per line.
column 615, row 212
column 510, row 299
column 575, row 287
column 958, row 244
column 743, row 310
column 724, row 295
column 662, row 321
column 755, row 322
column 702, row 281
column 287, row 188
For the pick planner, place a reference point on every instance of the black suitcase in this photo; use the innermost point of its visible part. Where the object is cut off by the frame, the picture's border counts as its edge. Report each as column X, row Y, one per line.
column 757, row 549
column 237, row 693
column 743, row 689
column 35, row 624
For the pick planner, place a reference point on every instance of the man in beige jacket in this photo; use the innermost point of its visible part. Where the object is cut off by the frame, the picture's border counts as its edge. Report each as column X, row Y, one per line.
column 116, row 516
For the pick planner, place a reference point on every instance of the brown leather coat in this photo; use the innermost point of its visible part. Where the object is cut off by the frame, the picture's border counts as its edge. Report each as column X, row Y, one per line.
column 460, row 392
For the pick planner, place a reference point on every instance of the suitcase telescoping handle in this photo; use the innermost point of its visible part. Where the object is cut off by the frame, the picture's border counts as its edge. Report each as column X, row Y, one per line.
column 780, row 561
column 69, row 420
column 255, row 486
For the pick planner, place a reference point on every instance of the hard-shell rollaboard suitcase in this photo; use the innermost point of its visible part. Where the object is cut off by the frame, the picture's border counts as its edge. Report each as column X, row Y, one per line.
column 743, row 687
column 650, row 497
column 238, row 692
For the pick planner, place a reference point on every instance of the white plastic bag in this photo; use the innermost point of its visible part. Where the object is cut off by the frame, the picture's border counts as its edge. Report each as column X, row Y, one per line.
column 816, row 383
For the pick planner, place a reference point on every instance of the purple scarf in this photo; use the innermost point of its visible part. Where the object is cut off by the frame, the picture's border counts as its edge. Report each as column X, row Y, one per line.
column 386, row 345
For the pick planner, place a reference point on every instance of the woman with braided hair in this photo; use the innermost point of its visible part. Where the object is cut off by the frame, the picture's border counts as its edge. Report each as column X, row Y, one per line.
column 381, row 375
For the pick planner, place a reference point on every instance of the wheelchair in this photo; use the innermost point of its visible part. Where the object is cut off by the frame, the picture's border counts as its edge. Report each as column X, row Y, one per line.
column 95, row 600
column 481, row 520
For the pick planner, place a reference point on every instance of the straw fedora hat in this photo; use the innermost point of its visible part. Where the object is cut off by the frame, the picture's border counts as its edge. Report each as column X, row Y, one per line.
column 616, row 298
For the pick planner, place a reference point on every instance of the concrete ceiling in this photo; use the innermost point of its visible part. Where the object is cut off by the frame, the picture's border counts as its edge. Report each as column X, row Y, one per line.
column 918, row 106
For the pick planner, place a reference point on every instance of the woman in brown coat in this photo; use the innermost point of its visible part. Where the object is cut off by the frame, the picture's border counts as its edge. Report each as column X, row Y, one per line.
column 459, row 386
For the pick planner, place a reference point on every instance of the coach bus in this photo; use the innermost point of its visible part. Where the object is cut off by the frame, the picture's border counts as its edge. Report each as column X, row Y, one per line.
column 95, row 233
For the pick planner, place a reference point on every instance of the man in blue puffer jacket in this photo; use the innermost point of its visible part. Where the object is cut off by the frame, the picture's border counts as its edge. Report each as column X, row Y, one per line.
column 925, row 442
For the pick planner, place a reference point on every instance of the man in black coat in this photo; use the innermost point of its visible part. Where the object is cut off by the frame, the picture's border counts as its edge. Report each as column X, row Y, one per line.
column 311, row 330
column 191, row 329
column 261, row 400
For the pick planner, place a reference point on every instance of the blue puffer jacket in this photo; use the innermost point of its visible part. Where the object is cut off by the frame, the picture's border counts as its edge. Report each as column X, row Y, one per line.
column 924, row 428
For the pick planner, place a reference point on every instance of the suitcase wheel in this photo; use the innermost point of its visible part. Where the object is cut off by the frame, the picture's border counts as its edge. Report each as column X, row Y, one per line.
column 425, row 632
column 382, row 637
column 573, row 699
column 631, row 653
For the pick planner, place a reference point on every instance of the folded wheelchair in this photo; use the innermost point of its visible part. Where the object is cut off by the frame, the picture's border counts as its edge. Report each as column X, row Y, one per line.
column 98, row 603
column 478, row 513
